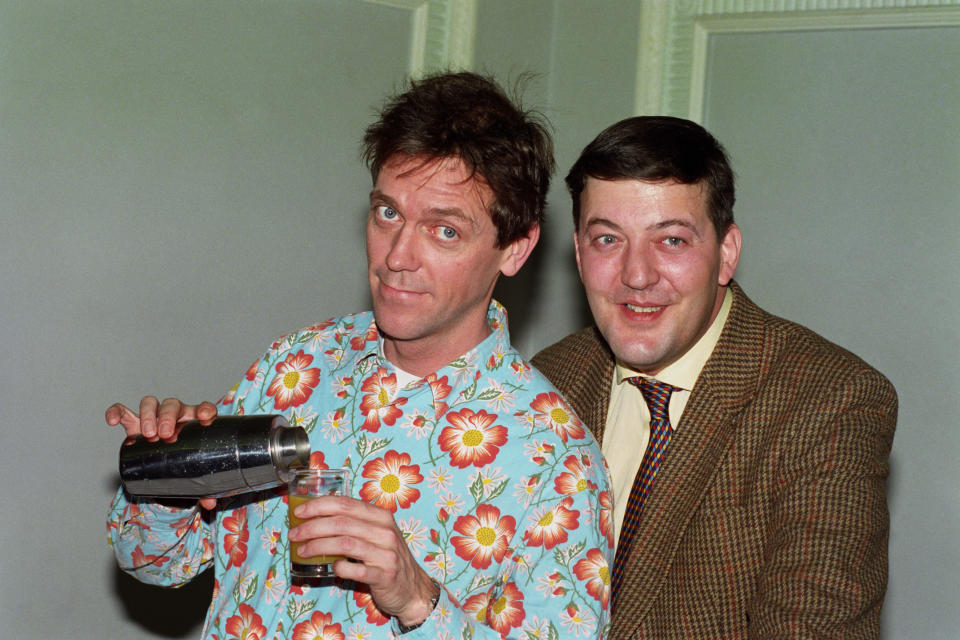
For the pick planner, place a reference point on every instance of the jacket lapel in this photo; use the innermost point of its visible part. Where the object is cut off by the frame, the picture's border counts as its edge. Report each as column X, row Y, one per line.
column 588, row 390
column 699, row 444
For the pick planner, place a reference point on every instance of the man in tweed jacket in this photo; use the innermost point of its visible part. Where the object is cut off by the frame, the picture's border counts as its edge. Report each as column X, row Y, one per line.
column 767, row 517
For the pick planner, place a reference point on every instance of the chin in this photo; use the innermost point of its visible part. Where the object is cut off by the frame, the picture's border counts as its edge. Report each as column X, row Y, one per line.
column 631, row 353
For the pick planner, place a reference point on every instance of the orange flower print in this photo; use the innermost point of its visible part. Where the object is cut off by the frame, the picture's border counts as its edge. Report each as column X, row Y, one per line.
column 235, row 542
column 365, row 601
column 208, row 550
column 440, row 390
column 501, row 614
column 476, row 607
column 189, row 523
column 357, row 343
column 248, row 625
column 134, row 517
column 485, row 536
column 606, row 516
column 252, row 371
column 317, row 461
column 320, row 326
column 595, row 571
column 380, row 403
column 341, row 386
column 294, row 382
column 551, row 527
column 471, row 439
column 574, row 481
column 318, row 627
column 553, row 411
column 140, row 559
column 230, row 395
column 391, row 479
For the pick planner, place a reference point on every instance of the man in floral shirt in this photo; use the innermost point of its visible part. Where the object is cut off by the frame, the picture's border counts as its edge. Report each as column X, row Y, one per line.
column 480, row 505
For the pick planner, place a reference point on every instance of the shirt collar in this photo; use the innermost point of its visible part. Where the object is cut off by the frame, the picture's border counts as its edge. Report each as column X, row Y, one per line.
column 684, row 372
column 494, row 345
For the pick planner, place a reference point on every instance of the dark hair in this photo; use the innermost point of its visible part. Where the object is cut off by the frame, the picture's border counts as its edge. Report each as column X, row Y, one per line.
column 468, row 116
column 658, row 148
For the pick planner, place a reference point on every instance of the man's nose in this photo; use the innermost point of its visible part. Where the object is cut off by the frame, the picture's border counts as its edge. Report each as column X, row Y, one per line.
column 404, row 254
column 638, row 270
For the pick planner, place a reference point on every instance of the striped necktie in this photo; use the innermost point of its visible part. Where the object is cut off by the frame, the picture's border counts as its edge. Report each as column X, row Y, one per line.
column 657, row 395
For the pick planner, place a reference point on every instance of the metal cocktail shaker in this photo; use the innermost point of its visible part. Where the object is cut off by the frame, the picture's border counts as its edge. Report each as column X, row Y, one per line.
column 231, row 455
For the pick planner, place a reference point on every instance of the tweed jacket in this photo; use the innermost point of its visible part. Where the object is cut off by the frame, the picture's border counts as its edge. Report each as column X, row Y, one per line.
column 768, row 517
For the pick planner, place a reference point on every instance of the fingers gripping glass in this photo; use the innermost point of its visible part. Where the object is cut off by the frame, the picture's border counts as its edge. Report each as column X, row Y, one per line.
column 305, row 485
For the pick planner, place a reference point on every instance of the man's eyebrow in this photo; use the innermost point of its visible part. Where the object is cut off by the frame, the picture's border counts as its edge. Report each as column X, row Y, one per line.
column 675, row 222
column 656, row 226
column 451, row 212
column 601, row 222
column 376, row 194
column 438, row 212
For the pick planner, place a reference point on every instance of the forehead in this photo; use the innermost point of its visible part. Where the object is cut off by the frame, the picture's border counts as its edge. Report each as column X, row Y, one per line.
column 643, row 201
column 442, row 183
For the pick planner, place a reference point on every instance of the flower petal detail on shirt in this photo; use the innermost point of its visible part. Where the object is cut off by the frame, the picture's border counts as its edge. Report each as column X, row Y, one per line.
column 380, row 403
column 247, row 625
column 554, row 412
column 471, row 440
column 550, row 528
column 318, row 627
column 294, row 382
column 594, row 570
column 235, row 542
column 485, row 536
column 391, row 479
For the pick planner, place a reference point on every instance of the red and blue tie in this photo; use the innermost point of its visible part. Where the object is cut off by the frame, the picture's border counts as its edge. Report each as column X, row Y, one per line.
column 657, row 395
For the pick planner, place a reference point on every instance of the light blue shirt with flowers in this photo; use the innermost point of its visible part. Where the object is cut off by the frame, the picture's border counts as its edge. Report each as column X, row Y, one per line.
column 500, row 492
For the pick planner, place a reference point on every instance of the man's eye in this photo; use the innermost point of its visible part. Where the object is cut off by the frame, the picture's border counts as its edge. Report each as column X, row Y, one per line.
column 448, row 233
column 605, row 239
column 386, row 213
column 674, row 241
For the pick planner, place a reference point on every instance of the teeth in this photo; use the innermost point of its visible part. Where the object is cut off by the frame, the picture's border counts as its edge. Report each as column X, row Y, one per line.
column 637, row 309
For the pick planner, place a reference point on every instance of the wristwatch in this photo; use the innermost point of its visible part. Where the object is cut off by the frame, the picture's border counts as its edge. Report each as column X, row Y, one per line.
column 433, row 605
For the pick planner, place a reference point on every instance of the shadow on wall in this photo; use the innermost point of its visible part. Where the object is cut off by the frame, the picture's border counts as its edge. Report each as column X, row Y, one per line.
column 166, row 613
column 523, row 293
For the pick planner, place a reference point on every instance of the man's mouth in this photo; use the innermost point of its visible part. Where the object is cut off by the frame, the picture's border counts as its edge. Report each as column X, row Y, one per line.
column 639, row 309
column 397, row 289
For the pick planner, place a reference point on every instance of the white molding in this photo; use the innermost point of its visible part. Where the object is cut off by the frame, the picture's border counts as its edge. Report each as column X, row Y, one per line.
column 651, row 52
column 706, row 26
column 463, row 28
column 442, row 33
column 689, row 24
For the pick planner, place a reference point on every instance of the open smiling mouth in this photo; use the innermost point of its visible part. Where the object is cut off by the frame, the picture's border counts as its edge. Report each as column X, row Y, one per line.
column 636, row 309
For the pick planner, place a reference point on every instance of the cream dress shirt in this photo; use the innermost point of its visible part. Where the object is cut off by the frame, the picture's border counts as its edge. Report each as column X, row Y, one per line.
column 628, row 417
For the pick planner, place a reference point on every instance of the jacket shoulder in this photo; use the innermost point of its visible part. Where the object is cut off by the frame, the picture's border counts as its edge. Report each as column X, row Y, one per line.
column 572, row 355
column 791, row 357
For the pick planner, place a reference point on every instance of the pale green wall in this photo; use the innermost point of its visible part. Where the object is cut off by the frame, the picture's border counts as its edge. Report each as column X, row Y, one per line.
column 166, row 168
column 181, row 183
column 847, row 146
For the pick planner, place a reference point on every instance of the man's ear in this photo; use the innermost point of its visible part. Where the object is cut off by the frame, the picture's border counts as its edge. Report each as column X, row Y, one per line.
column 516, row 254
column 576, row 251
column 729, row 254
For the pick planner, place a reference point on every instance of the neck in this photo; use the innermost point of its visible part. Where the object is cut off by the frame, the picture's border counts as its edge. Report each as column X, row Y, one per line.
column 423, row 357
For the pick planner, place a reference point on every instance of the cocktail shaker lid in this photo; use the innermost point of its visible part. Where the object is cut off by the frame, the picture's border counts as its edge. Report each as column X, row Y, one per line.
column 290, row 447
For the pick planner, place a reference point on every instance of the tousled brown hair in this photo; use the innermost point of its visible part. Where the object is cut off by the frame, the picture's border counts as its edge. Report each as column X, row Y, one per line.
column 468, row 116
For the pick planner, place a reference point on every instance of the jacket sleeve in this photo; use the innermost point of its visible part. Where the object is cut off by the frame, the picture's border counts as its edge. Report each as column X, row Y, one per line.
column 825, row 564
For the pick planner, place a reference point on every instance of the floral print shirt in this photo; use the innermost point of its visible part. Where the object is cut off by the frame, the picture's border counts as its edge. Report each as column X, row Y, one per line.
column 500, row 492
